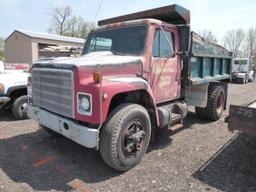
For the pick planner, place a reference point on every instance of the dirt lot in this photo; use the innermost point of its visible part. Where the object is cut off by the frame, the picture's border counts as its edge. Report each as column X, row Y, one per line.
column 200, row 156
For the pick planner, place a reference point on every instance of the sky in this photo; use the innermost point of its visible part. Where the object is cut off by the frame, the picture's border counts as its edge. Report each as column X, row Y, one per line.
column 215, row 15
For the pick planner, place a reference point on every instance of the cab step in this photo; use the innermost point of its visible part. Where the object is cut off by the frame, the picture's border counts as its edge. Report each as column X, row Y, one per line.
column 175, row 118
column 171, row 114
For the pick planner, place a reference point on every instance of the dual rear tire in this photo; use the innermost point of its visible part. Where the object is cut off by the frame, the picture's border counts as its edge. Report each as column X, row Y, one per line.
column 215, row 104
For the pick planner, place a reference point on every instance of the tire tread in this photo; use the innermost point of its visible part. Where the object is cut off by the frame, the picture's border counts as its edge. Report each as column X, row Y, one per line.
column 211, row 107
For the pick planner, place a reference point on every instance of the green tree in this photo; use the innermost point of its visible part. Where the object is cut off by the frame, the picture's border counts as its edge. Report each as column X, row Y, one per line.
column 79, row 27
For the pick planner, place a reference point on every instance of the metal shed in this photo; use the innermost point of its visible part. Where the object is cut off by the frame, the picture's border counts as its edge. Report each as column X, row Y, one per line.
column 25, row 46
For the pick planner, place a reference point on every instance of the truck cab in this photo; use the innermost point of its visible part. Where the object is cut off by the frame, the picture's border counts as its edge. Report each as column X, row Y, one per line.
column 137, row 74
column 243, row 70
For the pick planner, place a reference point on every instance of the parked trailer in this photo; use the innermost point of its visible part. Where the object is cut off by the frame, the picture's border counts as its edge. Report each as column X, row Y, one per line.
column 243, row 118
column 137, row 74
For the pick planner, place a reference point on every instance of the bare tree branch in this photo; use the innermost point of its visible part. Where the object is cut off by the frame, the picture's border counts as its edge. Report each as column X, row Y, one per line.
column 59, row 18
column 251, row 43
column 208, row 36
column 233, row 40
column 65, row 23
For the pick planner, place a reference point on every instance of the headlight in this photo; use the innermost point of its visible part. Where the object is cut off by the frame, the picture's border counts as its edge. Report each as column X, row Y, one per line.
column 84, row 104
column 1, row 88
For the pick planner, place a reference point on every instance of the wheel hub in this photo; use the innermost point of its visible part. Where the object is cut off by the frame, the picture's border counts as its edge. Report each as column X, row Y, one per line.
column 133, row 138
column 219, row 104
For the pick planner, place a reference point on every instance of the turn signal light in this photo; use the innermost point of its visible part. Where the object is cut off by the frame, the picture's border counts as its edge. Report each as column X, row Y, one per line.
column 1, row 88
column 97, row 76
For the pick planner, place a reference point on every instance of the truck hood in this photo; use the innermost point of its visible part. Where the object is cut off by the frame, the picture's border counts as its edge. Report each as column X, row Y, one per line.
column 95, row 58
column 13, row 78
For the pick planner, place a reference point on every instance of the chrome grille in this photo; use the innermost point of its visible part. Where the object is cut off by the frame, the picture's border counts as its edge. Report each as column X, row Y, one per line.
column 52, row 89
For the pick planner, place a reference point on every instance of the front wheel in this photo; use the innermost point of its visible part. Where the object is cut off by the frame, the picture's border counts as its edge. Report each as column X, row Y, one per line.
column 246, row 79
column 125, row 137
column 19, row 107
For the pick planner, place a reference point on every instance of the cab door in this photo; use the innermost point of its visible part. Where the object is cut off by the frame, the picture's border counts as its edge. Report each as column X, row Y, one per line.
column 165, row 65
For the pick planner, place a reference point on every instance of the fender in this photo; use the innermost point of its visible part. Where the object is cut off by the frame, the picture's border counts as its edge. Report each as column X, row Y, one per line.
column 14, row 88
column 114, row 86
column 13, row 80
column 111, row 86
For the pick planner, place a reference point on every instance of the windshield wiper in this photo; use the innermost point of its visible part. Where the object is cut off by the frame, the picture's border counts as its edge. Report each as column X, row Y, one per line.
column 117, row 52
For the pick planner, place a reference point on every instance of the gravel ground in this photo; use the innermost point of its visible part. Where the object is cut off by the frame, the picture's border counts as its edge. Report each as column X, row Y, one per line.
column 198, row 156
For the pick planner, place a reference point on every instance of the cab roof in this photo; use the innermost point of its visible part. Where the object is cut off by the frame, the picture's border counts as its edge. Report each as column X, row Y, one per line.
column 132, row 23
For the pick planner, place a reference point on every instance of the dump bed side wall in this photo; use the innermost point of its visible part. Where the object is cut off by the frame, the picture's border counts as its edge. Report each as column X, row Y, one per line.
column 208, row 62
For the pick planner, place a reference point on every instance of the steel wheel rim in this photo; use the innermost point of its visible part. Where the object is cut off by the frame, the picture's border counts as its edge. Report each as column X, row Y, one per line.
column 23, row 109
column 133, row 139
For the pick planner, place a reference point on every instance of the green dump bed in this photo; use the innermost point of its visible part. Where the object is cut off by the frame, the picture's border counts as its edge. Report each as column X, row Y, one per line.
column 208, row 62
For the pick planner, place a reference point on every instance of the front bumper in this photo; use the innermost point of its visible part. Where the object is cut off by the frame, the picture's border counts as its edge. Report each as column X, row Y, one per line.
column 237, row 76
column 82, row 135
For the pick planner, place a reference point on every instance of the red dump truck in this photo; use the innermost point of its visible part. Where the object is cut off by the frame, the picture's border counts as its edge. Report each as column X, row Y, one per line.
column 137, row 74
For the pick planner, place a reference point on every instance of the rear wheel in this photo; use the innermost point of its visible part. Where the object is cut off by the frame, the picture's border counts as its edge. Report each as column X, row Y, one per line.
column 19, row 107
column 125, row 137
column 246, row 79
column 216, row 103
column 253, row 78
column 241, row 80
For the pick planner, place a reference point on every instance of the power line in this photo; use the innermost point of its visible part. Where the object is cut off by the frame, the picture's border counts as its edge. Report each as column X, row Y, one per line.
column 98, row 10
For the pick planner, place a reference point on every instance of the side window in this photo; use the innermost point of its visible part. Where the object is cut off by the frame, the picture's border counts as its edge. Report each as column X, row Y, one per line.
column 156, row 44
column 163, row 45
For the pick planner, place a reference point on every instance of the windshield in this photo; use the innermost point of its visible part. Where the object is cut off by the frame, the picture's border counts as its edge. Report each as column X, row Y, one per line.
column 240, row 62
column 123, row 41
